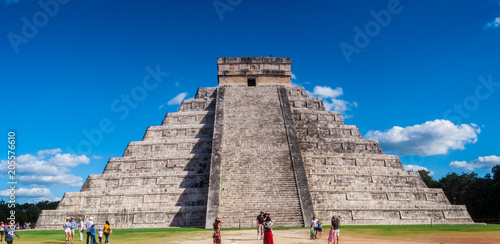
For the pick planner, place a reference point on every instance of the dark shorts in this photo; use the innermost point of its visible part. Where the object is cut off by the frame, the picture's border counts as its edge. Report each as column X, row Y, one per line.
column 320, row 229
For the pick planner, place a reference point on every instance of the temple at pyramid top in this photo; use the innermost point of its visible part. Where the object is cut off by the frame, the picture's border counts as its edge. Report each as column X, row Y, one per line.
column 254, row 71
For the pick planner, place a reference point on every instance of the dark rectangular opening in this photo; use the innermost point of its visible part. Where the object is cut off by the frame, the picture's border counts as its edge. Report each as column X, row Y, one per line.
column 251, row 82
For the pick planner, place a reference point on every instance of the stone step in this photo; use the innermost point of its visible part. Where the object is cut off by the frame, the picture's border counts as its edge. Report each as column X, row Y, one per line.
column 311, row 104
column 191, row 140
column 179, row 131
column 360, row 207
column 188, row 120
column 256, row 141
column 206, row 93
column 187, row 156
column 197, row 105
column 144, row 192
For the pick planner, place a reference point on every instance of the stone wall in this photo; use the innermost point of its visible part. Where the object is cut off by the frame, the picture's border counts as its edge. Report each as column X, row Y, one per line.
column 161, row 181
column 265, row 71
column 351, row 177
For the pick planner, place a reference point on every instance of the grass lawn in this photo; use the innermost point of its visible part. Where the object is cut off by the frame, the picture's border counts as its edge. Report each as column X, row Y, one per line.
column 167, row 235
column 406, row 230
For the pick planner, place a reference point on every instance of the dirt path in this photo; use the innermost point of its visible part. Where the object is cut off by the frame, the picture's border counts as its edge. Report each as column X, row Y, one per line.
column 302, row 236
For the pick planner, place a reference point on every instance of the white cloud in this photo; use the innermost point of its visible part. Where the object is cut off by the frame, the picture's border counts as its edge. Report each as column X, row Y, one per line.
column 28, row 192
column 57, row 164
column 68, row 160
column 36, row 194
column 462, row 164
column 53, row 171
column 97, row 157
column 60, row 180
column 42, row 153
column 493, row 24
column 415, row 168
column 331, row 100
column 177, row 99
column 486, row 162
column 294, row 77
column 33, row 167
column 431, row 138
column 161, row 106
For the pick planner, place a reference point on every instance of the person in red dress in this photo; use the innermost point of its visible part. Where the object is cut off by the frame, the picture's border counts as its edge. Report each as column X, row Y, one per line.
column 268, row 230
column 216, row 236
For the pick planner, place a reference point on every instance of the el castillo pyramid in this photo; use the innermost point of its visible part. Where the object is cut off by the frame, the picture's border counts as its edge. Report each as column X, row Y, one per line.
column 254, row 143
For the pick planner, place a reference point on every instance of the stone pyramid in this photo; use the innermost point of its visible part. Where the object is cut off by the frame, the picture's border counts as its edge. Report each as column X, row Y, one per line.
column 254, row 143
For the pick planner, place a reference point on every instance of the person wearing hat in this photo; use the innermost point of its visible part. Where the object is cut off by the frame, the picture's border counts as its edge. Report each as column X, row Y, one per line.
column 89, row 227
column 81, row 228
column 260, row 226
column 67, row 230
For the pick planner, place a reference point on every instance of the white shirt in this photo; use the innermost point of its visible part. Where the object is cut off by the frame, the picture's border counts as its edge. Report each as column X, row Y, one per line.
column 80, row 225
column 89, row 225
column 315, row 223
column 67, row 227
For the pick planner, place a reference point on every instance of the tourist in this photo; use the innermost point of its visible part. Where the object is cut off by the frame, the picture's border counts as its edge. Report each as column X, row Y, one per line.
column 331, row 236
column 315, row 223
column 268, row 230
column 100, row 235
column 320, row 229
column 217, row 237
column 67, row 230
column 9, row 232
column 2, row 228
column 312, row 233
column 107, row 232
column 92, row 234
column 89, row 227
column 336, row 227
column 73, row 227
column 260, row 226
column 81, row 228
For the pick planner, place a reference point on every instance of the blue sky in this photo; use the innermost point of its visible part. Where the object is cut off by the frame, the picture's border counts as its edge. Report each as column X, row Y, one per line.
column 81, row 79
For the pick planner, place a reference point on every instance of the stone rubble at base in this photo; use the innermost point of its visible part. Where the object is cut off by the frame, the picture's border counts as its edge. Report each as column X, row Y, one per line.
column 235, row 150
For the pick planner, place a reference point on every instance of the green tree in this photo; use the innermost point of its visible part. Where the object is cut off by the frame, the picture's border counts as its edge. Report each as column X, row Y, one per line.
column 496, row 173
column 458, row 187
column 428, row 180
column 33, row 212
